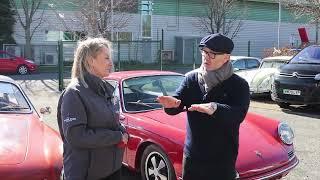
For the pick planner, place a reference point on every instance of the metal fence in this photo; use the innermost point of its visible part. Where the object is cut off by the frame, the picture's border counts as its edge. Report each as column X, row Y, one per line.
column 123, row 51
column 127, row 55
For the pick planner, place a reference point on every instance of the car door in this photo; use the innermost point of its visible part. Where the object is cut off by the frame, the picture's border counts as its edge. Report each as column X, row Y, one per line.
column 4, row 60
column 7, row 62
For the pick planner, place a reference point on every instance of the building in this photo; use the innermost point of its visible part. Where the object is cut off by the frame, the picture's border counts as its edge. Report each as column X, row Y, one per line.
column 174, row 21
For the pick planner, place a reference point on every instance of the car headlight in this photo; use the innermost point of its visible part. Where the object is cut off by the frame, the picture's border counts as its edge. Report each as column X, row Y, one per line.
column 285, row 133
column 317, row 77
column 29, row 61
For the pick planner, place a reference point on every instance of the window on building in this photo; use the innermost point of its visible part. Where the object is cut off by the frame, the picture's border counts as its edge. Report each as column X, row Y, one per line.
column 53, row 35
column 122, row 36
column 64, row 35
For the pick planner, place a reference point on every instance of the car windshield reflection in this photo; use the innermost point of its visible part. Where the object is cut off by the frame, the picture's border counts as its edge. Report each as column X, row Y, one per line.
column 272, row 64
column 11, row 99
column 140, row 94
column 309, row 55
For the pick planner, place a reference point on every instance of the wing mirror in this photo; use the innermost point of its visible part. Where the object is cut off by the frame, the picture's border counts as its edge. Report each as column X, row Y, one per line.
column 45, row 110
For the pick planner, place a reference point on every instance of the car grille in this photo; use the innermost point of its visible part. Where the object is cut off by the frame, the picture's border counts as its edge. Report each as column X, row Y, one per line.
column 297, row 75
column 291, row 154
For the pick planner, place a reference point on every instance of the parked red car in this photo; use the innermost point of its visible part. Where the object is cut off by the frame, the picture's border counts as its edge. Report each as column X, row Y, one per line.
column 156, row 141
column 13, row 64
column 29, row 149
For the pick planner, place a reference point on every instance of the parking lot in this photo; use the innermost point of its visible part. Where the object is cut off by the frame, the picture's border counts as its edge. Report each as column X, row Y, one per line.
column 43, row 91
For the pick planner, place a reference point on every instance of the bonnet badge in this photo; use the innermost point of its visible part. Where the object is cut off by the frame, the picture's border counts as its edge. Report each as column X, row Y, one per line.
column 258, row 153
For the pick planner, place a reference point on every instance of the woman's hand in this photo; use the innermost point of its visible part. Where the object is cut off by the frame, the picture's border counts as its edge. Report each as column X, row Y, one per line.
column 169, row 101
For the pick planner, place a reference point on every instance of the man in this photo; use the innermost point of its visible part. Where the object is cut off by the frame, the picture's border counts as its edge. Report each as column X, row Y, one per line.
column 217, row 101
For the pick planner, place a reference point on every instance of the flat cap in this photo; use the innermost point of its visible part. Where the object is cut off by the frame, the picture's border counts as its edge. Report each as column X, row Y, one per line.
column 217, row 43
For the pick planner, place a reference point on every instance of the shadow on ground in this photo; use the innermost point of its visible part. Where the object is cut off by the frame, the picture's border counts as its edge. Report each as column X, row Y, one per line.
column 312, row 111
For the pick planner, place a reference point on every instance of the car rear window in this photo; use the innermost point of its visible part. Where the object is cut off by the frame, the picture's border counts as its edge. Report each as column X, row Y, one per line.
column 309, row 55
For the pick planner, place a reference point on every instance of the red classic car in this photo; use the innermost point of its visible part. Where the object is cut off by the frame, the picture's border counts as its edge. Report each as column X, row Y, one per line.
column 13, row 64
column 29, row 149
column 156, row 139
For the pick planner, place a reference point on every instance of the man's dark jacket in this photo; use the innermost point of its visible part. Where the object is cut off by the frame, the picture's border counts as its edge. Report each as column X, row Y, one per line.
column 212, row 141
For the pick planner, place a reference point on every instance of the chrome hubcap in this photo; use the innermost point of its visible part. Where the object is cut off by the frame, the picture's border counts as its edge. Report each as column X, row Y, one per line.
column 155, row 167
column 23, row 70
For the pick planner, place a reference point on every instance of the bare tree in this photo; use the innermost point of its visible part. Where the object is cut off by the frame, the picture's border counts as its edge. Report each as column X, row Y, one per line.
column 306, row 8
column 221, row 16
column 25, row 11
column 101, row 17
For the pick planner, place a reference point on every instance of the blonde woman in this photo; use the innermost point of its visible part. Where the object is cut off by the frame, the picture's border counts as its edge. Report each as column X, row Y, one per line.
column 88, row 118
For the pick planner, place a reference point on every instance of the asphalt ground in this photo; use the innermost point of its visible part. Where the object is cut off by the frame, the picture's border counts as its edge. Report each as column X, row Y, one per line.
column 42, row 90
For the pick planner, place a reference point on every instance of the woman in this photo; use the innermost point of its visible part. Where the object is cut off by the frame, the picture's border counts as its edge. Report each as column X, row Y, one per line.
column 88, row 117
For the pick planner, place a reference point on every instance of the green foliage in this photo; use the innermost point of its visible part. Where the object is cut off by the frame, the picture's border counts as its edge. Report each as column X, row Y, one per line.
column 7, row 22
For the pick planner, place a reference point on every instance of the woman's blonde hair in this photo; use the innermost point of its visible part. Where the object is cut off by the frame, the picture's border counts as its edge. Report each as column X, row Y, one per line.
column 87, row 50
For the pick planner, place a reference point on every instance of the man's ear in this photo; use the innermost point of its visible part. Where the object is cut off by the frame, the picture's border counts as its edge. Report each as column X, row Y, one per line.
column 226, row 57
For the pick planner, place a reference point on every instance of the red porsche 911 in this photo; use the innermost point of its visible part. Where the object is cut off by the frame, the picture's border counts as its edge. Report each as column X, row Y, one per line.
column 155, row 147
column 29, row 149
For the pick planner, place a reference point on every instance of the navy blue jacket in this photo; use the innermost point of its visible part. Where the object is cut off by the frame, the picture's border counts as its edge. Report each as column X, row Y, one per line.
column 212, row 141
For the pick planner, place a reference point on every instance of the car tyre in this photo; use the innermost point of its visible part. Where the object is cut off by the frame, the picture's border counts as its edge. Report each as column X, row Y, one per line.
column 155, row 164
column 283, row 105
column 23, row 69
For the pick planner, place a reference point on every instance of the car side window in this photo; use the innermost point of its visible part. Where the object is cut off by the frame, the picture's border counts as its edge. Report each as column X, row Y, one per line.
column 239, row 64
column 11, row 99
column 252, row 63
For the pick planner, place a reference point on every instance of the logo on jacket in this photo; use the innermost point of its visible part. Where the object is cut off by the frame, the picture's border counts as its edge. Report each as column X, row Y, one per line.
column 69, row 119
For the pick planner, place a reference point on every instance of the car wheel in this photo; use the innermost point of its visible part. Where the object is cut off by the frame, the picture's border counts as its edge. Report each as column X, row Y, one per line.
column 283, row 105
column 22, row 69
column 155, row 165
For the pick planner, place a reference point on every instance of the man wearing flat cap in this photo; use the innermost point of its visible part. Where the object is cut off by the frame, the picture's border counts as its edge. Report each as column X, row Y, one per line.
column 217, row 101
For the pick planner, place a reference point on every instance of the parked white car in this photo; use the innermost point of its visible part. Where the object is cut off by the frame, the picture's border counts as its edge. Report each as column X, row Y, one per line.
column 244, row 62
column 260, row 80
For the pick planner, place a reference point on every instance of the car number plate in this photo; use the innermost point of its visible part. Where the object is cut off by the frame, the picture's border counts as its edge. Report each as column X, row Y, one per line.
column 292, row 92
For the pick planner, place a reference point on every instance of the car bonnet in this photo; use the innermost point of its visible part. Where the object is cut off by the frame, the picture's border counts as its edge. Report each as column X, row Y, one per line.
column 13, row 139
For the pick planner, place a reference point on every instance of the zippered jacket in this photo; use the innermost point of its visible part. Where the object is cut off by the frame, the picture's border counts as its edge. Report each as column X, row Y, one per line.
column 88, row 120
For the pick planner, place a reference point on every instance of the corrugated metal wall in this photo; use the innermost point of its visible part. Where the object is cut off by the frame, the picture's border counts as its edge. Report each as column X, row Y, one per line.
column 177, row 18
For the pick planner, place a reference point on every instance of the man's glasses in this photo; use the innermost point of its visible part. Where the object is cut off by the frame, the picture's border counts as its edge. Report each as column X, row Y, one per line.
column 211, row 55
